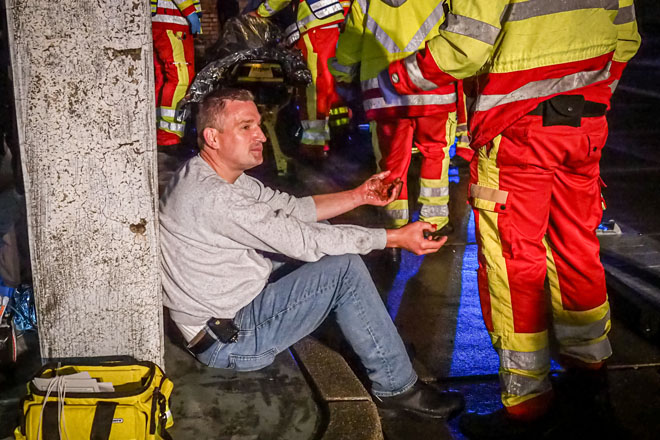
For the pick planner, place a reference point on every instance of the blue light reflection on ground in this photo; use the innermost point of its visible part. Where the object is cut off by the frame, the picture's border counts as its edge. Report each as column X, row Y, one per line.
column 408, row 268
column 473, row 353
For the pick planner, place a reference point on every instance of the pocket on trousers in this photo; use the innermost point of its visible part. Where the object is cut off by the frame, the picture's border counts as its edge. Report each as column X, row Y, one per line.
column 492, row 200
column 252, row 362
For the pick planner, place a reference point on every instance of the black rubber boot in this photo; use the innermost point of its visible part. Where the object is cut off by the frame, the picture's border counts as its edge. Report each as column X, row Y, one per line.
column 422, row 400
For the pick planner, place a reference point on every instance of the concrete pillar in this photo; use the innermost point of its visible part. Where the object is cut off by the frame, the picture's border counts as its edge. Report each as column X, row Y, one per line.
column 83, row 79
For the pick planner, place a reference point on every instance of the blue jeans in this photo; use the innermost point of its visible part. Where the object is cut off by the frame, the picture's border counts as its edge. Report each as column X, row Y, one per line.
column 291, row 308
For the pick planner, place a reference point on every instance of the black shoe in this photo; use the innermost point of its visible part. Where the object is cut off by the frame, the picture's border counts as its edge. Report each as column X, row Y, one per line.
column 447, row 229
column 499, row 426
column 422, row 400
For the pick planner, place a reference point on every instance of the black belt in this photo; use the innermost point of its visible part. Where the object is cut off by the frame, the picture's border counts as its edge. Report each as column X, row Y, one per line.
column 215, row 330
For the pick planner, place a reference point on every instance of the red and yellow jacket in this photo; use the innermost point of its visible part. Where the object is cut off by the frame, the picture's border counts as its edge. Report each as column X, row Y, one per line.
column 172, row 14
column 519, row 53
column 310, row 14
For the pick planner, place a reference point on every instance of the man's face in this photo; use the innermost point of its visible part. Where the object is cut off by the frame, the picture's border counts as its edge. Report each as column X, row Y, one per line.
column 240, row 139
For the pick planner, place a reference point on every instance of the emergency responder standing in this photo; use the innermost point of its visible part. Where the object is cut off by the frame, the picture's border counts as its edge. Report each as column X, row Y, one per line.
column 315, row 33
column 173, row 23
column 376, row 33
column 545, row 73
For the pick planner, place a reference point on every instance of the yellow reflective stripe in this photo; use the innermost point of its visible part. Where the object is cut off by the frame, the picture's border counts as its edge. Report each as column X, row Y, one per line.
column 517, row 341
column 469, row 27
column 310, row 91
column 498, row 280
column 181, row 64
column 439, row 222
column 537, row 8
column 338, row 111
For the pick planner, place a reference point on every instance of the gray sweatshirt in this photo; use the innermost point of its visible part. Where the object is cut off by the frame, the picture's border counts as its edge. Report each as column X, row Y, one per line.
column 211, row 232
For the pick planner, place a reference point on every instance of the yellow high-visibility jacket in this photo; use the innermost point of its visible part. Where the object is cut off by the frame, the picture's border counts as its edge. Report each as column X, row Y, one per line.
column 377, row 32
column 310, row 14
column 520, row 53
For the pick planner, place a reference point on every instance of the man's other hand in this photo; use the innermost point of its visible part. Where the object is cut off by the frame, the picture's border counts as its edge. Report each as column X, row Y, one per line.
column 374, row 191
column 195, row 24
column 411, row 238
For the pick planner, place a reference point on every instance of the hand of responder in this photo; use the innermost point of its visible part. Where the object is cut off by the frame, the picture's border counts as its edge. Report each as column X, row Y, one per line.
column 374, row 191
column 195, row 24
column 386, row 88
column 411, row 238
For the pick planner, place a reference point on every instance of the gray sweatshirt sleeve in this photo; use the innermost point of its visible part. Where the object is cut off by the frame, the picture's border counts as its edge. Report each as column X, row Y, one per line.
column 302, row 208
column 244, row 219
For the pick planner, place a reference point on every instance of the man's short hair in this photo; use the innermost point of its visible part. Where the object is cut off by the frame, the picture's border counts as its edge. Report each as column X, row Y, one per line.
column 210, row 109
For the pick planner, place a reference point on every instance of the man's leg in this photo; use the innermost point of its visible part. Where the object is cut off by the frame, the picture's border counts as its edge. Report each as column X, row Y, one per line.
column 433, row 136
column 292, row 307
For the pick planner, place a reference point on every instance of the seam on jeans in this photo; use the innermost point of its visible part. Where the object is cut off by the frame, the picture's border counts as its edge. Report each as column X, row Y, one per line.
column 358, row 302
column 303, row 299
column 216, row 352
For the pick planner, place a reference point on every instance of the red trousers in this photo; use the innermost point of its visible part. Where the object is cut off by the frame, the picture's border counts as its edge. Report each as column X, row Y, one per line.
column 318, row 45
column 432, row 135
column 174, row 67
column 536, row 195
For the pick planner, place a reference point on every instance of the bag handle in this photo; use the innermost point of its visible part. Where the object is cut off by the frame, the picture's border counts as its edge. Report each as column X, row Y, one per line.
column 103, row 416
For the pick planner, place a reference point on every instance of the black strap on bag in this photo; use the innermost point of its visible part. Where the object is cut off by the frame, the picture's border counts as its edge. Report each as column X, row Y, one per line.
column 50, row 428
column 103, row 417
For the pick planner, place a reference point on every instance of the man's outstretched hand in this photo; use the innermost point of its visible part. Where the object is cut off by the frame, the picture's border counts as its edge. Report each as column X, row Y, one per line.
column 411, row 238
column 374, row 191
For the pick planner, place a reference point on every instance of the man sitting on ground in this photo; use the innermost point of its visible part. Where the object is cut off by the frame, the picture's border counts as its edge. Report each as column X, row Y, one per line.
column 215, row 224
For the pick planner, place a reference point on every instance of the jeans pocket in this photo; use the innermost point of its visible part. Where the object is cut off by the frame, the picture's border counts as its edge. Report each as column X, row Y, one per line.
column 213, row 356
column 240, row 362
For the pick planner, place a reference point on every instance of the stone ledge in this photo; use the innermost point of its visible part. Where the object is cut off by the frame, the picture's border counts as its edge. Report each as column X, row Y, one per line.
column 351, row 412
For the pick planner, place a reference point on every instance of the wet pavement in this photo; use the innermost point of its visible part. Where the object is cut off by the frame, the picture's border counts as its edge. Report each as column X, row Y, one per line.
column 434, row 303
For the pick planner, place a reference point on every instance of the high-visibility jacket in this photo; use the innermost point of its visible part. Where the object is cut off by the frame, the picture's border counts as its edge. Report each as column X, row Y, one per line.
column 522, row 53
column 310, row 14
column 173, row 13
column 377, row 32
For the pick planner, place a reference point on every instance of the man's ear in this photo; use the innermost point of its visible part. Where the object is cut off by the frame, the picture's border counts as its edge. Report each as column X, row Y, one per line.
column 210, row 135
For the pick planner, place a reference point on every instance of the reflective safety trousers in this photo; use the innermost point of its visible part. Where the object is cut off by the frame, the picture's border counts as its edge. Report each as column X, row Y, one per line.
column 174, row 66
column 432, row 135
column 519, row 53
column 171, row 14
column 536, row 195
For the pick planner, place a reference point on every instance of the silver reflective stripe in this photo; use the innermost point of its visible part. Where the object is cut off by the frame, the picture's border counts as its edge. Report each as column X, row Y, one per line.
column 349, row 70
column 324, row 13
column 415, row 74
column 168, row 113
column 397, row 214
column 382, row 36
column 585, row 332
column 544, row 87
column 293, row 27
column 321, row 4
column 537, row 8
column 434, row 211
column 363, row 5
column 386, row 41
column 166, row 4
column 313, row 125
column 461, row 127
column 313, row 136
column 464, row 138
column 175, row 19
column 426, row 191
column 625, row 15
column 269, row 8
column 305, row 21
column 520, row 360
column 470, row 27
column 369, row 84
column 426, row 27
column 519, row 385
column 614, row 85
column 410, row 100
column 591, row 352
column 172, row 126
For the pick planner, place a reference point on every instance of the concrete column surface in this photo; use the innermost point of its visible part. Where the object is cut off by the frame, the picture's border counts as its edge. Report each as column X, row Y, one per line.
column 83, row 79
